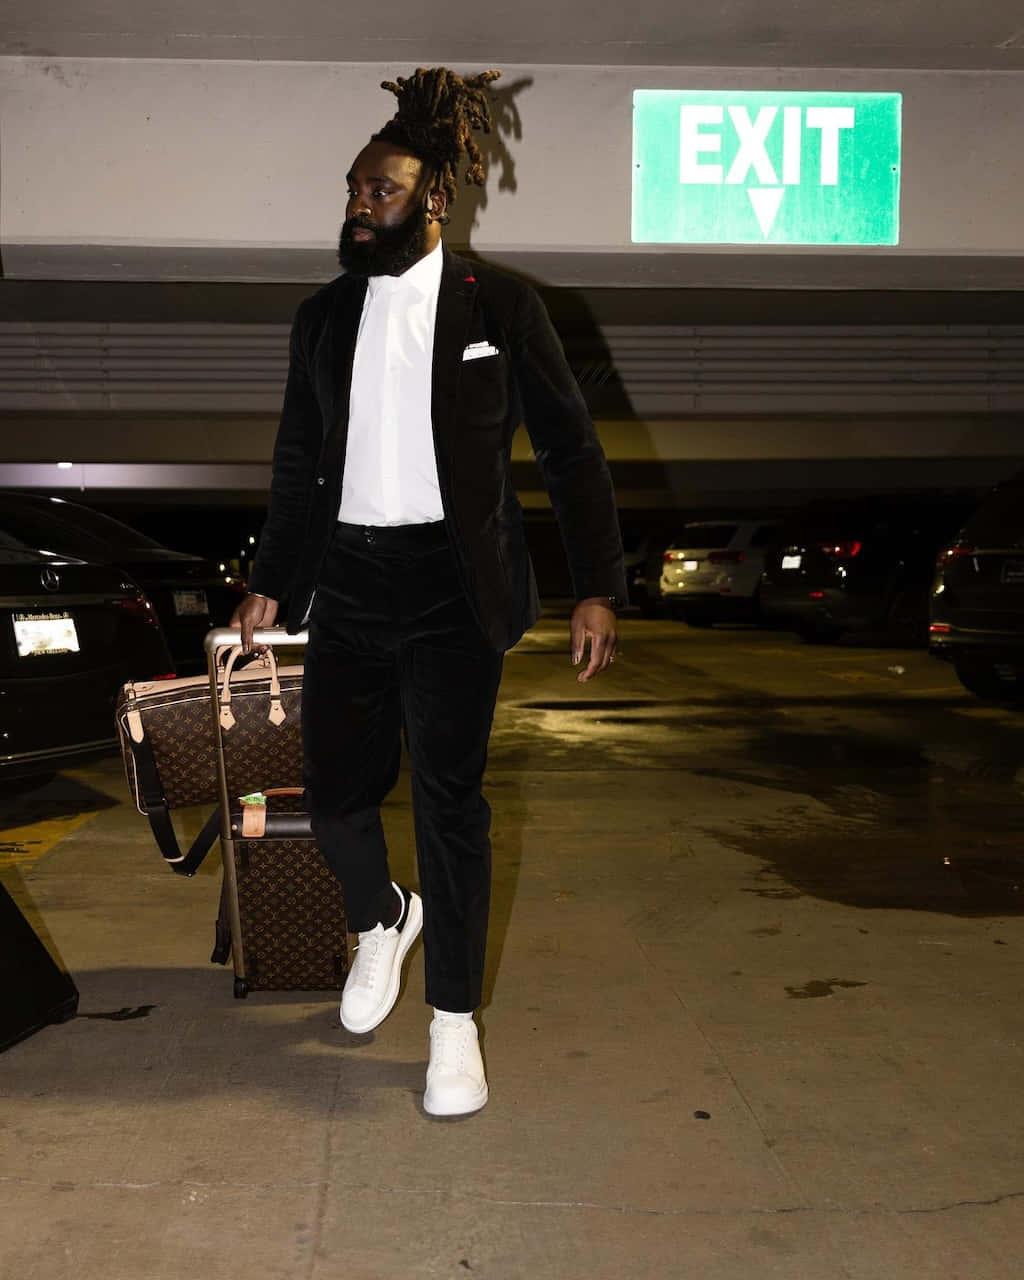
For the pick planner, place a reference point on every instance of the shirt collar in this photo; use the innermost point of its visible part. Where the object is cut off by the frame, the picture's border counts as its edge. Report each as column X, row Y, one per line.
column 424, row 277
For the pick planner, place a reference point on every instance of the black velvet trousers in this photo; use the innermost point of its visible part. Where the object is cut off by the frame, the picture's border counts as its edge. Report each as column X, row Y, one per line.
column 394, row 649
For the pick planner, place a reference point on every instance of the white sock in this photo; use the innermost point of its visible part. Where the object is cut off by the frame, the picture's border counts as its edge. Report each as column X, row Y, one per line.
column 456, row 1017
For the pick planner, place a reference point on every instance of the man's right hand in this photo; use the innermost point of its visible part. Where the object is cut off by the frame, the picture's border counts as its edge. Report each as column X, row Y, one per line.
column 253, row 612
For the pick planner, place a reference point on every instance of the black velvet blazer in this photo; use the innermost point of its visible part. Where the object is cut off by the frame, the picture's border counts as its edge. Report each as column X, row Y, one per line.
column 476, row 406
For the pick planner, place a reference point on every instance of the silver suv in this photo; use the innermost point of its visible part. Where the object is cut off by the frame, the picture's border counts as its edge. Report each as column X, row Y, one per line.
column 712, row 572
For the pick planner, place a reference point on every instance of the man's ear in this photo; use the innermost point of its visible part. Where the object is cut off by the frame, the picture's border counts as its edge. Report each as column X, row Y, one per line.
column 437, row 206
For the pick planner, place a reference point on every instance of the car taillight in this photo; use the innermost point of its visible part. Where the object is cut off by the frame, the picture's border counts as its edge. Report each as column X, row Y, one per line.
column 953, row 553
column 137, row 607
column 670, row 556
column 845, row 549
column 726, row 557
column 939, row 628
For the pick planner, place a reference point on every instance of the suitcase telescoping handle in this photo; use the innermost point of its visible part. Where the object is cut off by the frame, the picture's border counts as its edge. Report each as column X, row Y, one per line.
column 225, row 637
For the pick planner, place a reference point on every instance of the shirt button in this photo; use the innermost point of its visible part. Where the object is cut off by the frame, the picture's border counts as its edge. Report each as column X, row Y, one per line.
column 319, row 479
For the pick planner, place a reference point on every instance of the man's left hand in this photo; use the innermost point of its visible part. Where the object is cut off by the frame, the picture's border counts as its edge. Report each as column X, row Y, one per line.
column 593, row 620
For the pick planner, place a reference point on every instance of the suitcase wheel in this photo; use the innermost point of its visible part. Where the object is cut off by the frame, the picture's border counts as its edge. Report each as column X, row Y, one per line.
column 241, row 988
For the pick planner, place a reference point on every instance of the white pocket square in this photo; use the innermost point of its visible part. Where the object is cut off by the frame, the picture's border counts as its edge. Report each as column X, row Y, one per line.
column 476, row 350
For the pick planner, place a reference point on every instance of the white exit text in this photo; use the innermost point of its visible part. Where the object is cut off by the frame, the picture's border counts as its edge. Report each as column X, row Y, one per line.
column 701, row 130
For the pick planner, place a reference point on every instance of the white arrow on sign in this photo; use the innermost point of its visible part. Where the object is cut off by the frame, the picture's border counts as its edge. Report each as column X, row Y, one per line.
column 766, row 201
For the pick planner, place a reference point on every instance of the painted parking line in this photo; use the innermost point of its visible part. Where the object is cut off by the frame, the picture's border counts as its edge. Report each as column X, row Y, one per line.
column 29, row 842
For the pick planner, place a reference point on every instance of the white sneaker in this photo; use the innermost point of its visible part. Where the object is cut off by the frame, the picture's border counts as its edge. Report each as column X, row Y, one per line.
column 371, row 987
column 456, row 1083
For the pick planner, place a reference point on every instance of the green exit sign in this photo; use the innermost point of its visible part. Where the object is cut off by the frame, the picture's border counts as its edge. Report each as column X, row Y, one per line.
column 765, row 168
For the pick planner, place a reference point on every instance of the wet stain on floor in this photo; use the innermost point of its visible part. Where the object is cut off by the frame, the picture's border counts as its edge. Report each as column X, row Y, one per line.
column 921, row 839
column 126, row 1014
column 589, row 704
column 882, row 800
column 817, row 988
column 903, row 827
column 825, row 766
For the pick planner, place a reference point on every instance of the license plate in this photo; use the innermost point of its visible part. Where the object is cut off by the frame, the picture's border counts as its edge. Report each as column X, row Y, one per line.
column 691, row 566
column 792, row 562
column 37, row 634
column 1013, row 572
column 189, row 603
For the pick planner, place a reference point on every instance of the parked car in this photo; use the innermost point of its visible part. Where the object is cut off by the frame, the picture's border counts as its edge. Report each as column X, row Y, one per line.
column 190, row 594
column 712, row 572
column 71, row 634
column 860, row 564
column 977, row 600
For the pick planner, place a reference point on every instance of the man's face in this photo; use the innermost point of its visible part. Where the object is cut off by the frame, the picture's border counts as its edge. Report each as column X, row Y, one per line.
column 386, row 229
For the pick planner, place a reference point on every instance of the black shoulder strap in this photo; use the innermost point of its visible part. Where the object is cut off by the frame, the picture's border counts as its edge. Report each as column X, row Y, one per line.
column 184, row 864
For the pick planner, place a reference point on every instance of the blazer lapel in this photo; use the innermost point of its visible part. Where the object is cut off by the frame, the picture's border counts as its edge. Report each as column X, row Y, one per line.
column 340, row 350
column 455, row 301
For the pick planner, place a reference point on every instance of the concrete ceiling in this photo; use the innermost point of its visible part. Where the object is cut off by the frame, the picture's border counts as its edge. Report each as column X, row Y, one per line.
column 936, row 34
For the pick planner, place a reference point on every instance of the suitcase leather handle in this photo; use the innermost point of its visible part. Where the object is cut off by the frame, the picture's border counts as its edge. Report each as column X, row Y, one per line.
column 254, row 816
column 277, row 714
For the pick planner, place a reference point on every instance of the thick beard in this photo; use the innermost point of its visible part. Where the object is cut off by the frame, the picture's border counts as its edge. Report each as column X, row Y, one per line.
column 392, row 251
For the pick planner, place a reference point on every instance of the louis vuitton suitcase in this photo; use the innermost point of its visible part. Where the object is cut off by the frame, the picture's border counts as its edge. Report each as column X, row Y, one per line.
column 169, row 743
column 282, row 914
column 212, row 740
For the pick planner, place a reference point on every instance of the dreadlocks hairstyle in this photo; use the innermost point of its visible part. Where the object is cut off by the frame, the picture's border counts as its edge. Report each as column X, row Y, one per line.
column 437, row 114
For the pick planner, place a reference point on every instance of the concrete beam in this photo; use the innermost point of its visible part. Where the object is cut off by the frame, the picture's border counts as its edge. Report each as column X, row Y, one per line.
column 177, row 170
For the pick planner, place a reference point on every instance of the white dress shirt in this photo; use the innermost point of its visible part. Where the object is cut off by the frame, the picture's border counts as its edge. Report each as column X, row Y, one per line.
column 390, row 468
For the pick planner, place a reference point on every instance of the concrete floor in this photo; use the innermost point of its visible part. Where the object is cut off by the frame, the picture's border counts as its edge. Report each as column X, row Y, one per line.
column 753, row 1005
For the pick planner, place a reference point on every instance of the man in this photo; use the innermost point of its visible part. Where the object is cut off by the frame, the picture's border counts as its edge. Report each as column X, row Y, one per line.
column 395, row 532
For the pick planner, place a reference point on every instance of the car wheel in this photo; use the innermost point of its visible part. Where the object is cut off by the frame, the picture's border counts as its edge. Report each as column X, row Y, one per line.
column 984, row 678
column 819, row 632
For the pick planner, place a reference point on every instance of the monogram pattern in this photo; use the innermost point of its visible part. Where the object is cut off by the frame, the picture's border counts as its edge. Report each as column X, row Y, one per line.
column 178, row 719
column 294, row 936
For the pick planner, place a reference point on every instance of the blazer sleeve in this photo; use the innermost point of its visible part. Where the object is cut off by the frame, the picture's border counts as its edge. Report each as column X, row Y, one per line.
column 568, row 452
column 296, row 452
